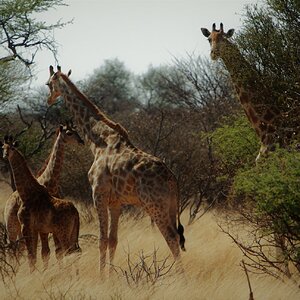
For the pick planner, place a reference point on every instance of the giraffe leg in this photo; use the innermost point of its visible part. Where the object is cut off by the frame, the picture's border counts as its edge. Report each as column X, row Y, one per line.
column 167, row 228
column 13, row 228
column 45, row 249
column 103, row 228
column 31, row 239
column 171, row 236
column 58, row 250
column 113, row 234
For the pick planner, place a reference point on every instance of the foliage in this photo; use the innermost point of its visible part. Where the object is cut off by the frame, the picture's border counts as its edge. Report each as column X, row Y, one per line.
column 12, row 76
column 270, row 40
column 274, row 184
column 273, row 208
column 235, row 143
column 162, row 86
column 111, row 87
column 22, row 36
column 20, row 30
column 234, row 147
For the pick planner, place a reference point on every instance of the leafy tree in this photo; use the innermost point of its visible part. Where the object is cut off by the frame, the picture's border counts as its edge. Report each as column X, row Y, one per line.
column 235, row 144
column 21, row 37
column 21, row 34
column 272, row 190
column 270, row 40
column 111, row 87
column 12, row 76
column 162, row 86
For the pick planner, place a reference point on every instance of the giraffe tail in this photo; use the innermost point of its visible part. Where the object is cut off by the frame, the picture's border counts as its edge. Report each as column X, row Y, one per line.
column 180, row 231
column 180, row 228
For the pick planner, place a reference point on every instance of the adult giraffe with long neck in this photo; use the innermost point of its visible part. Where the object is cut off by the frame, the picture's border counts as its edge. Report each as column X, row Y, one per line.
column 120, row 173
column 251, row 91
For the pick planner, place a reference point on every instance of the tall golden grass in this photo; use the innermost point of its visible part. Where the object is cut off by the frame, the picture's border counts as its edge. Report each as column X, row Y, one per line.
column 211, row 264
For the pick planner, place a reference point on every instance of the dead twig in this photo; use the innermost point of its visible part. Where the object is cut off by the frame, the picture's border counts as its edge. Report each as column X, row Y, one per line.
column 248, row 280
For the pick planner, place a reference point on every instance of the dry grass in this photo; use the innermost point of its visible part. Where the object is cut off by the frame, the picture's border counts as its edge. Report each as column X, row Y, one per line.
column 211, row 263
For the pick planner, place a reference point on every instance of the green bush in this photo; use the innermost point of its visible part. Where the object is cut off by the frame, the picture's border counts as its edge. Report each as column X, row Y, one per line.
column 273, row 190
column 235, row 144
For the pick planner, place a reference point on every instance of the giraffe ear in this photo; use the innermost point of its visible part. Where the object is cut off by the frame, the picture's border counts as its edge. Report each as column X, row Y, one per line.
column 16, row 144
column 51, row 70
column 69, row 73
column 61, row 127
column 230, row 33
column 205, row 32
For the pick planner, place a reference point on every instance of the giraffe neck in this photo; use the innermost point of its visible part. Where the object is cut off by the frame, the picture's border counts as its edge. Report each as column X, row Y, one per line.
column 243, row 75
column 97, row 128
column 50, row 175
column 25, row 182
column 251, row 92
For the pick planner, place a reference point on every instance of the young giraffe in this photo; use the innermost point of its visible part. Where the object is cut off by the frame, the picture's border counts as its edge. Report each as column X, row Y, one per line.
column 49, row 176
column 252, row 93
column 39, row 212
column 120, row 173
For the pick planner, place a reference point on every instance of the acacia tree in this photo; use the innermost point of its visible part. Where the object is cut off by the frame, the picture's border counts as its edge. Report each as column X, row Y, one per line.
column 111, row 87
column 21, row 35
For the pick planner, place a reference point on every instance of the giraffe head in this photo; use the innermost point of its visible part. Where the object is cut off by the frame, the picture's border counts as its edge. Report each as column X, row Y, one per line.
column 70, row 134
column 53, row 85
column 216, row 39
column 8, row 146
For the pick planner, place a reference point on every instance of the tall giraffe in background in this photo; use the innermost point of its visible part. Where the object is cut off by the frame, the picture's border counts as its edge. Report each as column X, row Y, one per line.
column 250, row 89
column 254, row 97
column 49, row 175
column 120, row 173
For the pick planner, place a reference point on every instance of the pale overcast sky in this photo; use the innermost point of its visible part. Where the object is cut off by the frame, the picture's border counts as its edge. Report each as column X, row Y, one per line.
column 137, row 32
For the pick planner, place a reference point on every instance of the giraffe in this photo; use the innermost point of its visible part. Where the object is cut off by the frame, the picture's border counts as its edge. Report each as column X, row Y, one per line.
column 39, row 212
column 121, row 173
column 251, row 91
column 254, row 98
column 49, row 176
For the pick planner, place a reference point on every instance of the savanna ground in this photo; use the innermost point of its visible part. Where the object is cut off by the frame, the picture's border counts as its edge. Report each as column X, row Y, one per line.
column 212, row 266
